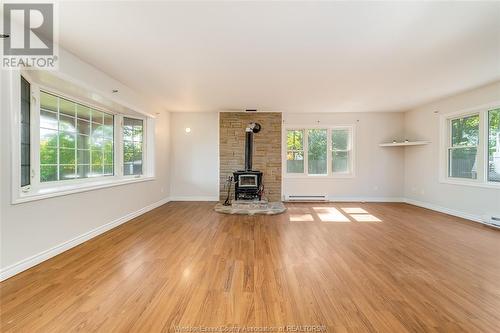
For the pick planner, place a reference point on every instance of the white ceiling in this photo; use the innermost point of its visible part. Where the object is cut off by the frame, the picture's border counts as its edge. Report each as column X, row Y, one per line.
column 288, row 56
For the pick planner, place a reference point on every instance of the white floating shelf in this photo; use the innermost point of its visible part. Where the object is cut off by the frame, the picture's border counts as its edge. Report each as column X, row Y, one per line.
column 403, row 144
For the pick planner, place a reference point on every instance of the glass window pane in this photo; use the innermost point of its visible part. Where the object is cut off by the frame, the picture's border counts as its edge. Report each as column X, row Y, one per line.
column 25, row 132
column 25, row 154
column 66, row 123
column 132, row 146
column 67, row 172
column 48, row 101
column 107, row 144
column 107, row 131
column 97, row 157
column 463, row 163
column 48, row 155
column 96, row 170
column 96, row 143
column 295, row 140
column 137, row 168
column 108, row 157
column 295, row 162
column 340, row 161
column 128, row 151
column 137, row 151
column 108, row 170
column 97, row 130
column 134, row 168
column 74, row 134
column 97, row 116
column 66, row 156
column 128, row 169
column 317, row 154
column 340, row 139
column 494, row 145
column 137, row 133
column 465, row 131
column 83, row 127
column 67, row 107
column 83, row 142
column 108, row 119
column 48, row 173
column 48, row 138
column 83, row 171
column 25, row 175
column 83, row 112
column 83, row 157
column 66, row 140
column 48, row 119
column 127, row 133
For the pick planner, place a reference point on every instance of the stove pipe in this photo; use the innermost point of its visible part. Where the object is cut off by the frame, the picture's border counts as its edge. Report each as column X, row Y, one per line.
column 249, row 131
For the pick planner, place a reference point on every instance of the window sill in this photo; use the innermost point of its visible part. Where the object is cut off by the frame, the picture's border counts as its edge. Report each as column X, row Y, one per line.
column 470, row 183
column 60, row 190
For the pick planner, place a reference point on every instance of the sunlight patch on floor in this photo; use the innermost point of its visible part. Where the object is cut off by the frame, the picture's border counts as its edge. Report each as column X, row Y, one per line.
column 365, row 218
column 330, row 214
column 301, row 218
column 354, row 210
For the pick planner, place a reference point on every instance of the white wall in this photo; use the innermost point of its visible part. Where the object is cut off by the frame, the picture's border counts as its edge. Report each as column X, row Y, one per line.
column 30, row 229
column 422, row 163
column 379, row 171
column 195, row 156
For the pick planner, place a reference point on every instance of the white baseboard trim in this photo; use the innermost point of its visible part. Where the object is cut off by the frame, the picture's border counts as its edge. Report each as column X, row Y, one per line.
column 467, row 216
column 194, row 198
column 366, row 199
column 27, row 263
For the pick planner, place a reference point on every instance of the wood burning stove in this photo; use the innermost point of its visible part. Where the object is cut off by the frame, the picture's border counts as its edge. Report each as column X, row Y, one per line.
column 248, row 182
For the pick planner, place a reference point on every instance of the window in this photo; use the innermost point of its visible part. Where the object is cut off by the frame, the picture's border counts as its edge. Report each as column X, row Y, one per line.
column 76, row 141
column 494, row 145
column 295, row 151
column 462, row 153
column 341, row 147
column 320, row 151
column 25, row 132
column 132, row 146
column 317, row 151
column 470, row 152
column 64, row 144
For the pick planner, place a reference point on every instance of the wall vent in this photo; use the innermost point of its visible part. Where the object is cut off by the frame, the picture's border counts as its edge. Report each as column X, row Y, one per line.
column 294, row 197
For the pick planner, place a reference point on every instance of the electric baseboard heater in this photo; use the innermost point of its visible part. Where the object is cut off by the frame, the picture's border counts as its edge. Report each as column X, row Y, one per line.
column 293, row 197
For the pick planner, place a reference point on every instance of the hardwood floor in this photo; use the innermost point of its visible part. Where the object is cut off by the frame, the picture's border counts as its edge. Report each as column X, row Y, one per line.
column 352, row 267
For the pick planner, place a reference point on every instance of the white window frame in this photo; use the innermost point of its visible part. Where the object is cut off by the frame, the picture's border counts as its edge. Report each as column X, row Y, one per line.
column 40, row 190
column 482, row 147
column 330, row 173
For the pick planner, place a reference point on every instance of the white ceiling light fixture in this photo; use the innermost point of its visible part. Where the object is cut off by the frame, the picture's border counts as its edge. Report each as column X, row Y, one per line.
column 188, row 129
